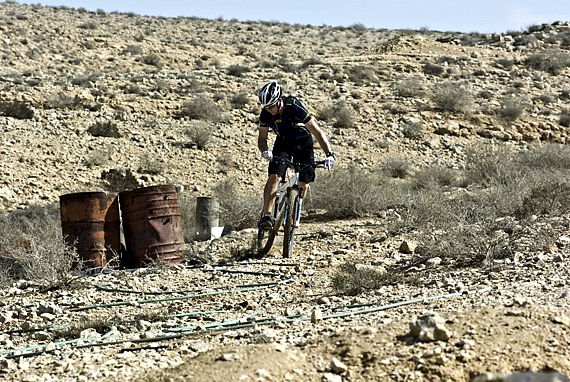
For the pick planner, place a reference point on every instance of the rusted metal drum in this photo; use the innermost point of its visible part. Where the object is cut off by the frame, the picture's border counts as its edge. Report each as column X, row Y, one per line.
column 90, row 222
column 152, row 225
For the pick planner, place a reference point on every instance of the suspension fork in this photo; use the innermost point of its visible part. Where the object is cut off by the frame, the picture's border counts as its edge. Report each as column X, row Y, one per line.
column 296, row 211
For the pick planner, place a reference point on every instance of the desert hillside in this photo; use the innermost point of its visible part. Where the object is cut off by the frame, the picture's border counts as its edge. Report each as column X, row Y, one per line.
column 139, row 76
column 95, row 101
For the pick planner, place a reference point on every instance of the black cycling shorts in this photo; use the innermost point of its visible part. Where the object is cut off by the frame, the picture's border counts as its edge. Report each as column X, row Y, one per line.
column 302, row 154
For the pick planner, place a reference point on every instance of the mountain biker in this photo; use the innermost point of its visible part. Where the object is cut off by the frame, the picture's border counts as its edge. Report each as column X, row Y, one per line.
column 294, row 127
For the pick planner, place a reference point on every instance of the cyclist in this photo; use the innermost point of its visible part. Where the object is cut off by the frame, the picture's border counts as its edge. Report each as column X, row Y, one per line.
column 294, row 127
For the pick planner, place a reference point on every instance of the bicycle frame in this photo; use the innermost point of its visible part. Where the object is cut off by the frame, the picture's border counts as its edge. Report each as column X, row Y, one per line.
column 283, row 191
column 288, row 196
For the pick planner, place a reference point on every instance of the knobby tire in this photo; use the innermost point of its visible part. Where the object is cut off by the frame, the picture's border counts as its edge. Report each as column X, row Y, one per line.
column 289, row 228
column 265, row 238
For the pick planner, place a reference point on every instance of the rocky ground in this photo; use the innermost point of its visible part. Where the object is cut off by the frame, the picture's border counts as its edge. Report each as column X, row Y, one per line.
column 270, row 319
column 276, row 319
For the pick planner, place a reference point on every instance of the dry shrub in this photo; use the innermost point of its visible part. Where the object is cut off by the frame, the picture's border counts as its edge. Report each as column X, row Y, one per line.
column 239, row 100
column 32, row 248
column 511, row 108
column 101, row 325
column 433, row 69
column 488, row 165
column 237, row 210
column 397, row 167
column 104, row 129
column 564, row 119
column 16, row 109
column 452, row 96
column 410, row 87
column 150, row 165
column 118, row 180
column 552, row 61
column 237, row 70
column 504, row 63
column 200, row 134
column 202, row 107
column 362, row 74
column 339, row 113
column 152, row 59
column 434, row 176
column 348, row 192
column 548, row 196
column 413, row 130
column 470, row 245
column 98, row 157
column 352, row 279
column 550, row 156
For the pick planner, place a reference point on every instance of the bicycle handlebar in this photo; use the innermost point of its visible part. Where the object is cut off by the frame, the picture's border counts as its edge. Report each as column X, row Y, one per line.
column 290, row 164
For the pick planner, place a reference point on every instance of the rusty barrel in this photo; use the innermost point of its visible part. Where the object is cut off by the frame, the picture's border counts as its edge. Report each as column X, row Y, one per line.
column 90, row 222
column 152, row 225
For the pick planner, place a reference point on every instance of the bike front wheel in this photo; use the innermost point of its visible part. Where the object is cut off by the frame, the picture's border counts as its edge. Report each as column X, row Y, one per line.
column 292, row 211
column 265, row 238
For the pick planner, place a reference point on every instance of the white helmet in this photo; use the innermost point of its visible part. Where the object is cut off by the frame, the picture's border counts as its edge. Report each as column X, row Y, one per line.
column 270, row 93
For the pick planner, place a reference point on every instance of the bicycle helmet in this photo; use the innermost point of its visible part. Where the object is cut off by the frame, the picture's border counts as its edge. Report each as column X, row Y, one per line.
column 270, row 93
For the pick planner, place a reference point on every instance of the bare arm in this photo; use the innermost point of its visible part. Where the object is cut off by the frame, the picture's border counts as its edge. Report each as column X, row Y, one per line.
column 263, row 132
column 314, row 129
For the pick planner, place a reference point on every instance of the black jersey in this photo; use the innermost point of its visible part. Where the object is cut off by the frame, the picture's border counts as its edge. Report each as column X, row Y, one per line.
column 289, row 126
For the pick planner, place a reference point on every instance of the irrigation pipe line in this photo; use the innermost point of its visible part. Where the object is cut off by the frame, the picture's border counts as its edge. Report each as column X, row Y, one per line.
column 154, row 301
column 225, row 323
column 271, row 274
column 106, row 288
column 238, row 324
column 235, row 264
column 21, row 351
column 407, row 302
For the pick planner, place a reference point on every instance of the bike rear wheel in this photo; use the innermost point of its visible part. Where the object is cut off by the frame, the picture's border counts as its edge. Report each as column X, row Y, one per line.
column 266, row 238
column 292, row 212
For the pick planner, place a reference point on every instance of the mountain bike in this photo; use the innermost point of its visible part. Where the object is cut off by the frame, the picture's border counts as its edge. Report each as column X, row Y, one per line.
column 286, row 210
